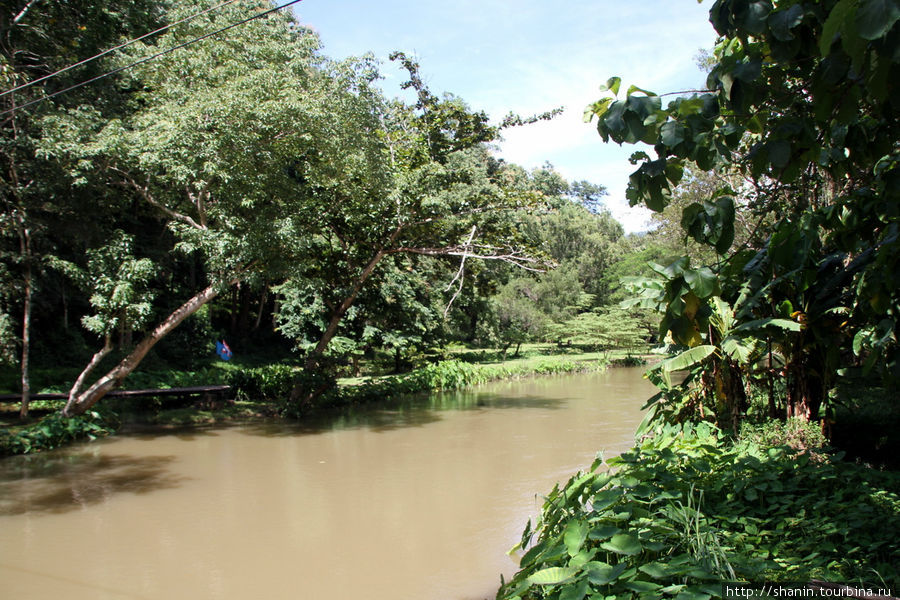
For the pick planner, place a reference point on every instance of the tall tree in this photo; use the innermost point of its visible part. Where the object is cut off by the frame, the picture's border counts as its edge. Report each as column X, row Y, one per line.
column 227, row 141
column 431, row 188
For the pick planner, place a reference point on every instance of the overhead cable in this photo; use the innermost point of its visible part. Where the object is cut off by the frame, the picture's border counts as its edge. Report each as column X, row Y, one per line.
column 119, row 47
column 151, row 57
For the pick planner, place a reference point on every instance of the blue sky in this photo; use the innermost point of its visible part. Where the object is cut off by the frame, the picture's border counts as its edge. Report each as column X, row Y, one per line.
column 529, row 56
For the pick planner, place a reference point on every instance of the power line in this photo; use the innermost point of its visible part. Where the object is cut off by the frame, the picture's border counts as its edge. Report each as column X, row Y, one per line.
column 119, row 47
column 151, row 57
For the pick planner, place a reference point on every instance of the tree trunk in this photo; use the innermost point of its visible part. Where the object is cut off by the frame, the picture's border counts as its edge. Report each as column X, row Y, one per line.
column 234, row 308
column 262, row 306
column 243, row 324
column 473, row 325
column 313, row 361
column 806, row 387
column 26, row 334
column 516, row 353
column 80, row 401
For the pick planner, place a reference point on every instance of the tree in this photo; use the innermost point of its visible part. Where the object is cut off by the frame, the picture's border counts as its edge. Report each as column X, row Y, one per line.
column 228, row 143
column 430, row 188
column 802, row 103
column 516, row 315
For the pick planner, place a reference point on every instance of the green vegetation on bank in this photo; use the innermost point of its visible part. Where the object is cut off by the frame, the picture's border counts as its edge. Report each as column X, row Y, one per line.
column 689, row 508
column 264, row 392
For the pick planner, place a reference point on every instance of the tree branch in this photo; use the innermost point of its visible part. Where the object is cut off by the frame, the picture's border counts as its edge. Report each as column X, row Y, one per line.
column 22, row 13
column 144, row 191
column 481, row 252
column 459, row 275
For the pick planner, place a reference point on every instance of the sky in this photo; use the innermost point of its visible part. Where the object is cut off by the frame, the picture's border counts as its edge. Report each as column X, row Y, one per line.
column 528, row 57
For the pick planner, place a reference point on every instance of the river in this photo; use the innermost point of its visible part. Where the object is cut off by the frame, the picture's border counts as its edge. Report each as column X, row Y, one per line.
column 416, row 501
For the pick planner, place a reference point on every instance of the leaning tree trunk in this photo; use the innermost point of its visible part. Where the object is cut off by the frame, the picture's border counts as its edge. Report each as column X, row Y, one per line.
column 300, row 394
column 80, row 401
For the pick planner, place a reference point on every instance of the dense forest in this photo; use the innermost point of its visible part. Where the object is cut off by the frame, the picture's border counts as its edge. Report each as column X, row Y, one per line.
column 216, row 182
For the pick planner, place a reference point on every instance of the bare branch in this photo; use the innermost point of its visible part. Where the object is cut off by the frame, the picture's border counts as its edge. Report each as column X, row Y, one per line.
column 480, row 252
column 459, row 274
column 199, row 200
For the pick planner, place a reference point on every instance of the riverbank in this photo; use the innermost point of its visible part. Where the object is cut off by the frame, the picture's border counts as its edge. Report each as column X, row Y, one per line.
column 262, row 392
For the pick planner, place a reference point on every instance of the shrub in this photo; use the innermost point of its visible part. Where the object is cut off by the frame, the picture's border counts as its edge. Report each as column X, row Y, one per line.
column 628, row 361
column 55, row 430
column 795, row 433
column 315, row 388
column 268, row 383
column 456, row 374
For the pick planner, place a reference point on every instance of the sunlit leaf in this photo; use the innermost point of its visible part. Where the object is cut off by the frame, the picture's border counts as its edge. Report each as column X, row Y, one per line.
column 552, row 576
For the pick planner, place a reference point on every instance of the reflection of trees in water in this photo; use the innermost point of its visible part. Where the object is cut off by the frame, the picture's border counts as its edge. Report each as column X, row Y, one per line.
column 415, row 410
column 60, row 484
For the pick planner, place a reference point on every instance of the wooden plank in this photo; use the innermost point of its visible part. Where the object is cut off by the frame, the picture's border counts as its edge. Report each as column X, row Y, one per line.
column 182, row 391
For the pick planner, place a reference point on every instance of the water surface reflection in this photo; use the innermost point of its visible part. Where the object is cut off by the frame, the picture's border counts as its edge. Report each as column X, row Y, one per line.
column 419, row 499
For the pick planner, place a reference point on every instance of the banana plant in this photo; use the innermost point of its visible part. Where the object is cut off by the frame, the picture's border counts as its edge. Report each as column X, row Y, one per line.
column 720, row 347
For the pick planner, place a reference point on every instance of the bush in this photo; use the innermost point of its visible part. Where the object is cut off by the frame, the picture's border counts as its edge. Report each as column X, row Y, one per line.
column 628, row 361
column 315, row 388
column 685, row 510
column 55, row 430
column 268, row 383
column 456, row 374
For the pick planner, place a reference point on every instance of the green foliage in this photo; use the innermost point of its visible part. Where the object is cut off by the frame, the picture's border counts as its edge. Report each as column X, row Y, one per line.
column 685, row 510
column 628, row 361
column 801, row 106
column 794, row 433
column 599, row 329
column 267, row 383
column 457, row 374
column 54, row 431
column 118, row 286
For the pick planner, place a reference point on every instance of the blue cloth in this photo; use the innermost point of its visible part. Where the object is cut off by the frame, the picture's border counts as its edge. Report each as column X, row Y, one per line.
column 223, row 350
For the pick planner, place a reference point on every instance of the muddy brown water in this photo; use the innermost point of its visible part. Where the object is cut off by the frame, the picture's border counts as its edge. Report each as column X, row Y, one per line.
column 420, row 500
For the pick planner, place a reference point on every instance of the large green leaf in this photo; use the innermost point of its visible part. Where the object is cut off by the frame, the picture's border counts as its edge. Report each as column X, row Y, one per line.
column 702, row 281
column 757, row 324
column 874, row 18
column 574, row 536
column 623, row 543
column 655, row 570
column 783, row 21
column 612, row 85
column 575, row 591
column 552, row 576
column 687, row 359
column 739, row 349
column 600, row 573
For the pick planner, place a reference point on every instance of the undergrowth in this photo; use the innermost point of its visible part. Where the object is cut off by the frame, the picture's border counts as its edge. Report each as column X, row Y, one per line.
column 686, row 510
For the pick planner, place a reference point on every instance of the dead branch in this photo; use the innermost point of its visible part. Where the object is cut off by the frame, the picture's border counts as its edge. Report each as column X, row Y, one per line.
column 459, row 274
